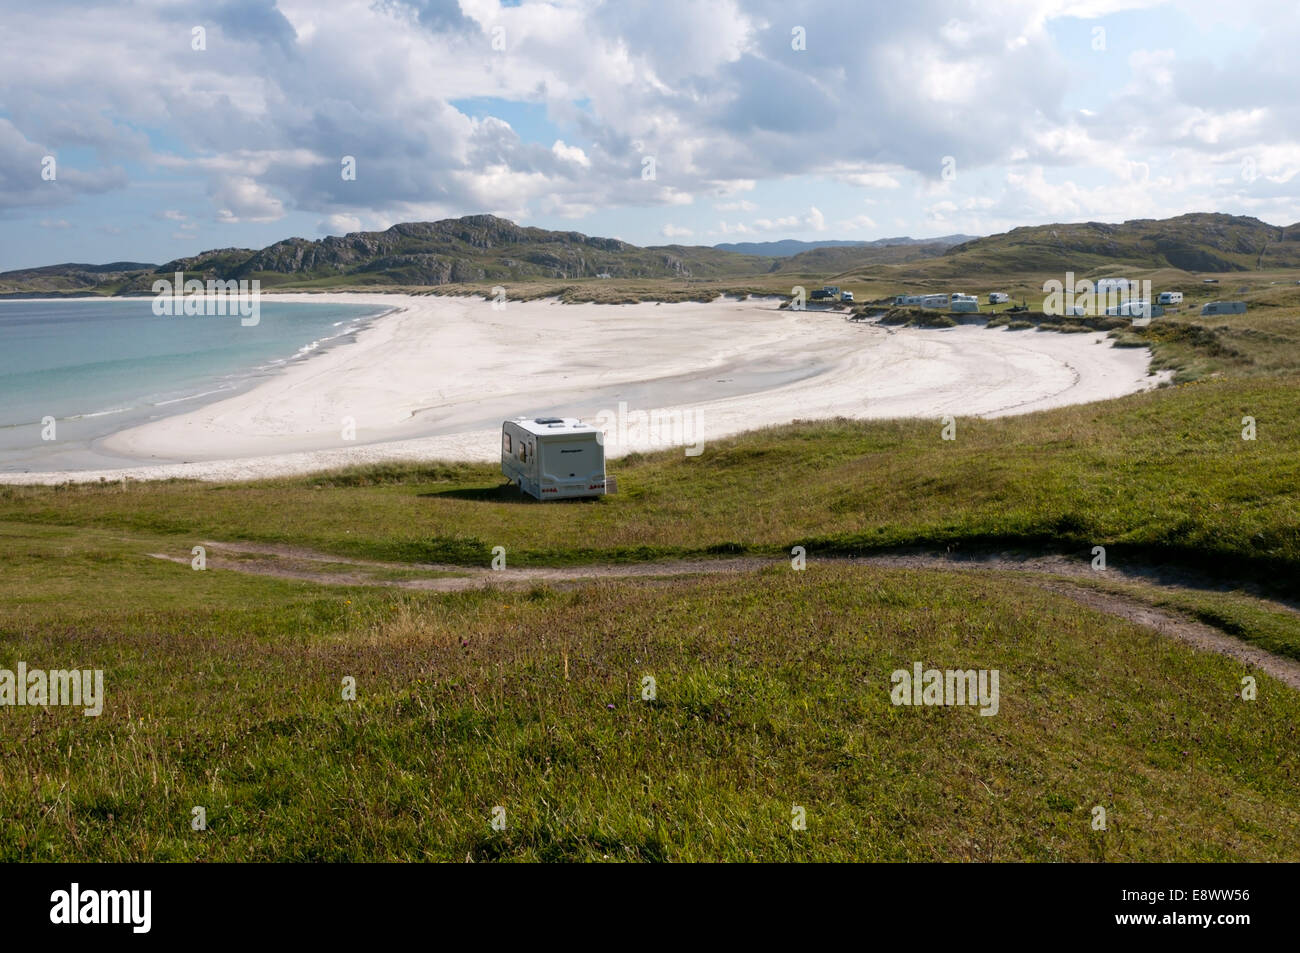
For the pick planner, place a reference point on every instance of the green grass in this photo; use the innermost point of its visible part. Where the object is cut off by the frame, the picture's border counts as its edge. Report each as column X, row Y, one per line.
column 772, row 691
column 1164, row 476
column 1271, row 626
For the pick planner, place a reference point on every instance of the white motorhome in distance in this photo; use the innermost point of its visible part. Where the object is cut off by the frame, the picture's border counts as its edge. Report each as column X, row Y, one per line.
column 1224, row 307
column 554, row 458
column 999, row 297
column 1171, row 297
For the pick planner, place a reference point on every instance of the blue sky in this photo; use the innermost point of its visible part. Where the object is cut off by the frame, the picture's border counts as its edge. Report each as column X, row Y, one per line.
column 546, row 113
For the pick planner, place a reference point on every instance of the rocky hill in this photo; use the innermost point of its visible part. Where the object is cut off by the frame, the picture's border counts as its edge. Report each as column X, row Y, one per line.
column 1196, row 242
column 483, row 248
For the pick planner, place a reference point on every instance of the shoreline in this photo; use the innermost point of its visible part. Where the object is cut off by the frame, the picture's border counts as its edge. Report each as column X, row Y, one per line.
column 431, row 377
column 99, row 417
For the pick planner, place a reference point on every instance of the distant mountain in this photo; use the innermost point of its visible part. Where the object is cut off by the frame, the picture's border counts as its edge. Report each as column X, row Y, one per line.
column 476, row 248
column 789, row 247
column 473, row 249
column 73, row 278
column 483, row 248
column 1200, row 241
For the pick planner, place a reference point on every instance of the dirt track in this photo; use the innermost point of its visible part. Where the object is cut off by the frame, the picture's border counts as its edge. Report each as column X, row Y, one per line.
column 1050, row 572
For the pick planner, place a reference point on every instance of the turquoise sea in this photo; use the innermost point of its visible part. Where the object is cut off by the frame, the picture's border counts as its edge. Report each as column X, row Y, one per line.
column 100, row 366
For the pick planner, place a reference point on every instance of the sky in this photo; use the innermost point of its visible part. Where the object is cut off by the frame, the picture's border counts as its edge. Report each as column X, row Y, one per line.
column 152, row 130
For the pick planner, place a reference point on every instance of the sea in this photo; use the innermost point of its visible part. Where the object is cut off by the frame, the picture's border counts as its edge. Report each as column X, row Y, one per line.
column 97, row 366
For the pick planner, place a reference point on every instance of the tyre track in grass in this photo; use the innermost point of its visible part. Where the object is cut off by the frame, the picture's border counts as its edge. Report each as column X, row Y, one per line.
column 1050, row 572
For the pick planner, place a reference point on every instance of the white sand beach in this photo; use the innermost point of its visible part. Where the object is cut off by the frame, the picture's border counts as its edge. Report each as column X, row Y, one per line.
column 434, row 378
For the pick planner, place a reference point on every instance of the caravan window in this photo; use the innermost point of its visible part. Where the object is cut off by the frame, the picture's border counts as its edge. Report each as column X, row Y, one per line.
column 505, row 442
column 523, row 452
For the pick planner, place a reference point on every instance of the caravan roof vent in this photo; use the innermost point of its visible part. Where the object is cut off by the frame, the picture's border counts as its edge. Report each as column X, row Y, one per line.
column 548, row 420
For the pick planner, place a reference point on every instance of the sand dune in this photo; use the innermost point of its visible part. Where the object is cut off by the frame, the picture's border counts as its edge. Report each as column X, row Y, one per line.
column 433, row 380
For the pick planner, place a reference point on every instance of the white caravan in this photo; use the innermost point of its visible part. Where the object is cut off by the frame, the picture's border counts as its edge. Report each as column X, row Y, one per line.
column 1130, row 309
column 1171, row 297
column 554, row 458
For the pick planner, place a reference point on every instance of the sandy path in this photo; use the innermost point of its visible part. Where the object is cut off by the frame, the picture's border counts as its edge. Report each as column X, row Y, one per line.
column 1048, row 572
column 434, row 379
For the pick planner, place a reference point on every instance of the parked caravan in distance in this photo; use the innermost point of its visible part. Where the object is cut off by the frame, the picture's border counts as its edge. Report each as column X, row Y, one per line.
column 1224, row 307
column 1171, row 297
column 998, row 297
column 554, row 458
column 1130, row 309
column 964, row 304
column 934, row 301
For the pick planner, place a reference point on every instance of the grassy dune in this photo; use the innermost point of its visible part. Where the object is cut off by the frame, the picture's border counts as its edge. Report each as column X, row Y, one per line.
column 1164, row 475
column 224, row 691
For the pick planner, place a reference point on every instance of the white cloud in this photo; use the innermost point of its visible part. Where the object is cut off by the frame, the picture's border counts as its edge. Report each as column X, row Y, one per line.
column 812, row 221
column 675, row 231
column 871, row 180
column 710, row 88
column 570, row 154
column 857, row 223
column 240, row 199
column 739, row 228
column 340, row 224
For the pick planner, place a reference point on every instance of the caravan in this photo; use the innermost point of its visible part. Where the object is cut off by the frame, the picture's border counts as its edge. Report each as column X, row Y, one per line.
column 554, row 458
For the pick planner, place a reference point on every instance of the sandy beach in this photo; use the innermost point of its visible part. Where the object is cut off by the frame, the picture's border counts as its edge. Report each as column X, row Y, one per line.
column 434, row 378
